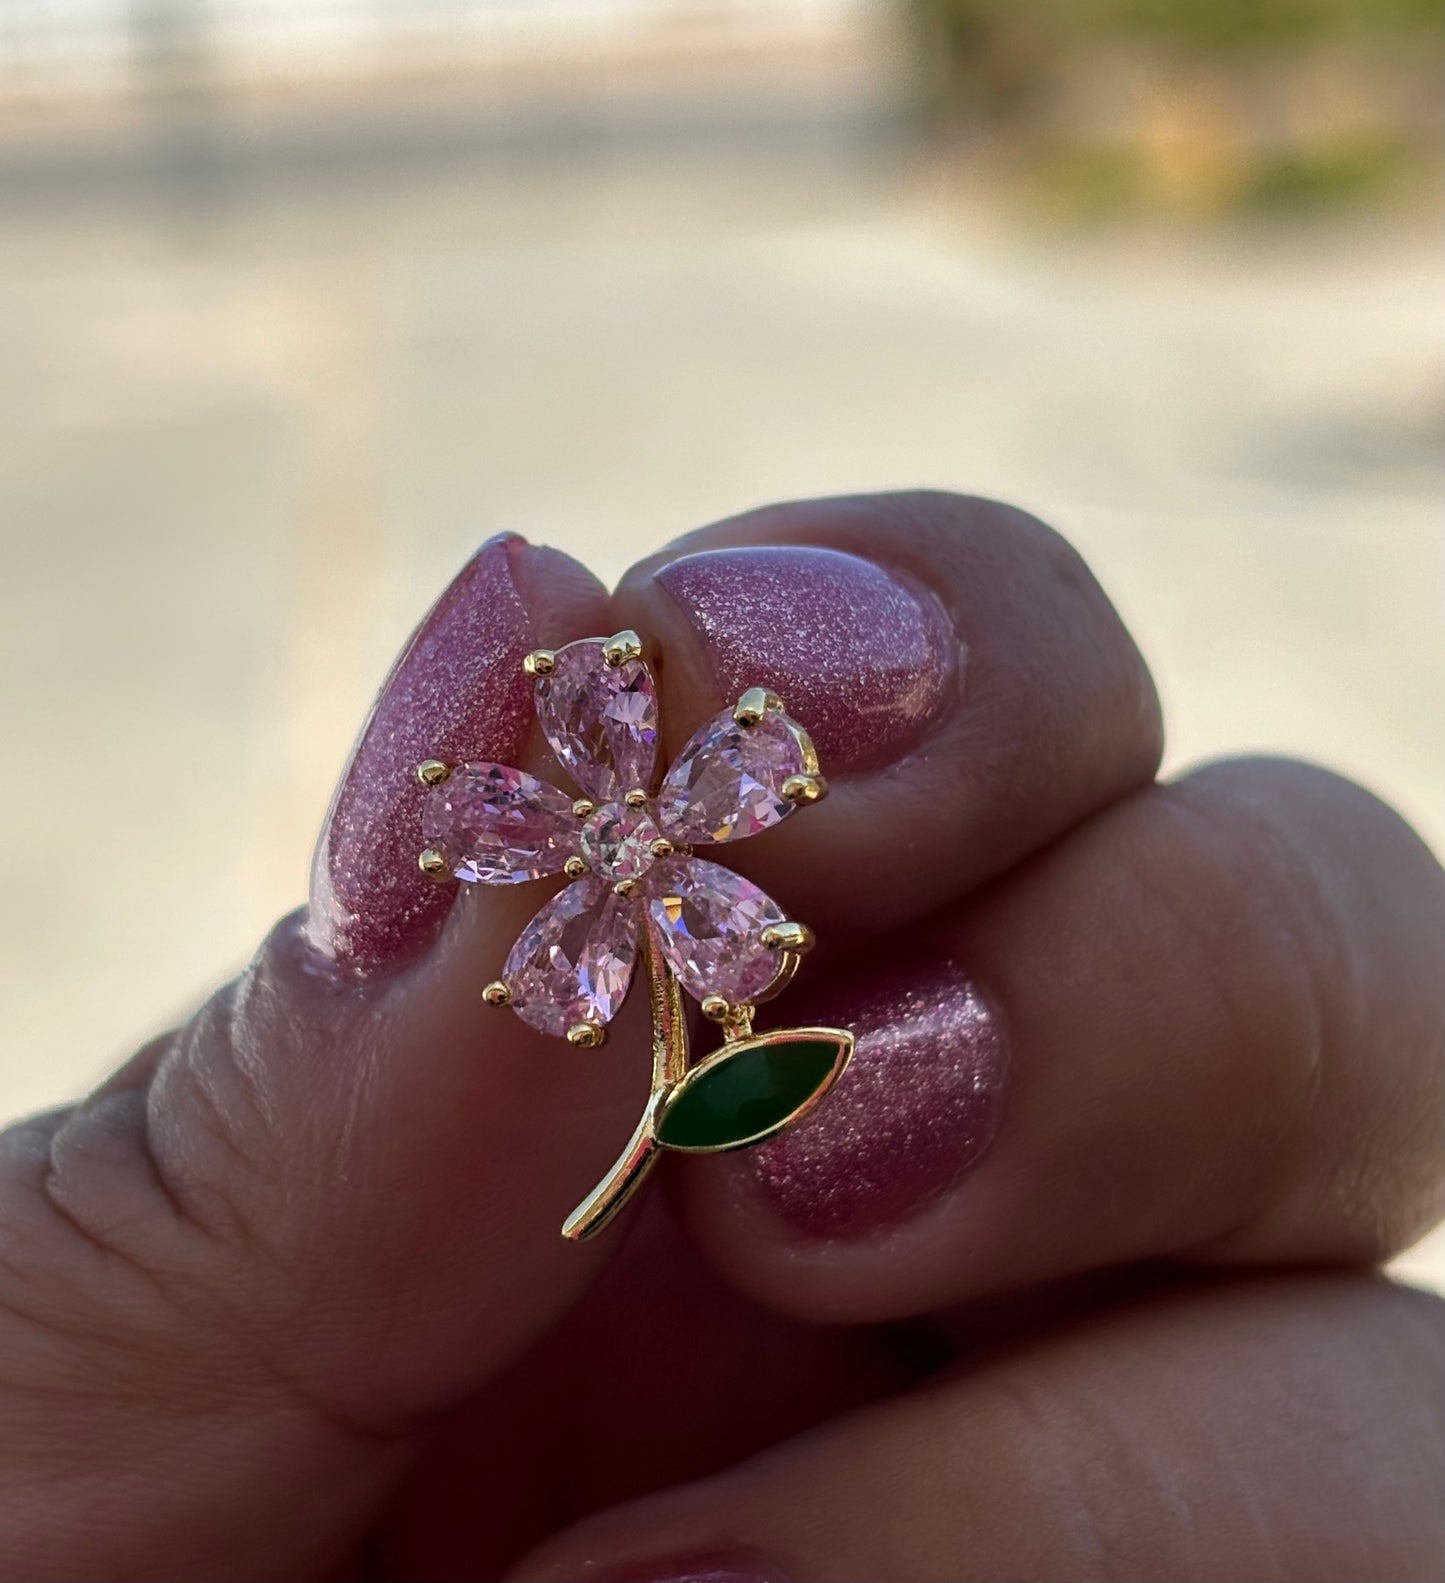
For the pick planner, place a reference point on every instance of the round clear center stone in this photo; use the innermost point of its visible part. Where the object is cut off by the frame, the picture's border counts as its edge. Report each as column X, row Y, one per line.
column 617, row 841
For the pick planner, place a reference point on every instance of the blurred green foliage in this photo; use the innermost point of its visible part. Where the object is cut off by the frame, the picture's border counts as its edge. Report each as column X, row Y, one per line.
column 974, row 30
column 1218, row 107
column 1098, row 180
column 1225, row 28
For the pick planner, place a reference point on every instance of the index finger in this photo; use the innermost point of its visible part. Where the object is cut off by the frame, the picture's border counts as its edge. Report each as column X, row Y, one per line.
column 971, row 691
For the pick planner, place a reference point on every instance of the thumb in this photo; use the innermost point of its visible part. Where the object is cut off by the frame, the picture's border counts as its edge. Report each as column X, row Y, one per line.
column 240, row 1277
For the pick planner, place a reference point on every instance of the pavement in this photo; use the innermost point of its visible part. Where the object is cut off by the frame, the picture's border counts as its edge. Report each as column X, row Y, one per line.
column 253, row 423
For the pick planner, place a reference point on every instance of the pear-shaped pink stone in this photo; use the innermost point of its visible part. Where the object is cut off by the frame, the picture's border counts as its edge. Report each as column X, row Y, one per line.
column 708, row 922
column 727, row 782
column 601, row 720
column 573, row 962
column 498, row 825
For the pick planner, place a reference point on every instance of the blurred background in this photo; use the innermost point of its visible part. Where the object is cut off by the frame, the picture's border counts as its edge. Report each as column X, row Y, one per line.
column 301, row 299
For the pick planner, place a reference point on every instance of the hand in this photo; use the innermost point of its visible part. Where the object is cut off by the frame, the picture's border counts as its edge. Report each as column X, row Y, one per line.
column 1070, row 1277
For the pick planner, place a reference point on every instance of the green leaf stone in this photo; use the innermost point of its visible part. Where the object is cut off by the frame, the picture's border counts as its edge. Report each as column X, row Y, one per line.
column 748, row 1092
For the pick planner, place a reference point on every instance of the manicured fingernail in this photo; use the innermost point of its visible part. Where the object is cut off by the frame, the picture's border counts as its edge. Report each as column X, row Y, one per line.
column 865, row 661
column 914, row 1111
column 458, row 691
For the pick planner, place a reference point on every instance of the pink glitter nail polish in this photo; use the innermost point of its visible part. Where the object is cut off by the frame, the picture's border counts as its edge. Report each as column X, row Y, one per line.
column 915, row 1110
column 457, row 692
column 865, row 661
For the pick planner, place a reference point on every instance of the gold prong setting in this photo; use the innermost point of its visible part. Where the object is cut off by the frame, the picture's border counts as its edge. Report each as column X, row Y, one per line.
column 789, row 935
column 587, row 1035
column 540, row 662
column 433, row 772
column 434, row 865
column 736, row 1021
column 754, row 703
column 497, row 994
column 576, row 868
column 804, row 790
column 622, row 647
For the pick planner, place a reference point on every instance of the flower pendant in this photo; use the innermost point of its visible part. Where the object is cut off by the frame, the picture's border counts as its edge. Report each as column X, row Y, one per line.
column 638, row 889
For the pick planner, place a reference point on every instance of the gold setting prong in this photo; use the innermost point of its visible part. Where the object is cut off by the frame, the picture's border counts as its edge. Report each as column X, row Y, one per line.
column 434, row 864
column 754, row 704
column 432, row 772
column 497, row 994
column 736, row 1021
column 586, row 1035
column 789, row 935
column 624, row 887
column 621, row 647
column 801, row 790
column 662, row 847
column 540, row 662
column 584, row 807
column 575, row 867
column 636, row 798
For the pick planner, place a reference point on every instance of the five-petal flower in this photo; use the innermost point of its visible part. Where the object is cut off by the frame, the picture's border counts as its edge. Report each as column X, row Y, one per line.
column 635, row 881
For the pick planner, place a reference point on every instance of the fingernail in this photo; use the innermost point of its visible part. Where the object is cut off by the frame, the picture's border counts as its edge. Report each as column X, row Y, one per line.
column 915, row 1110
column 458, row 691
column 864, row 661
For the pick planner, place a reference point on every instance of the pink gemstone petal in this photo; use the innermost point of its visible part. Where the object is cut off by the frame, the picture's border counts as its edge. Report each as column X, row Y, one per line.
column 727, row 782
column 708, row 922
column 498, row 825
column 601, row 720
column 573, row 962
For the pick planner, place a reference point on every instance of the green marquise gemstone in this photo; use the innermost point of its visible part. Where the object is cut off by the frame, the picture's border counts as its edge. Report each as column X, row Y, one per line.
column 749, row 1091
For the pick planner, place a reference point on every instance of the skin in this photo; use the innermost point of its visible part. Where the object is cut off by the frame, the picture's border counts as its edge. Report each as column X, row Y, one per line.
column 285, row 1299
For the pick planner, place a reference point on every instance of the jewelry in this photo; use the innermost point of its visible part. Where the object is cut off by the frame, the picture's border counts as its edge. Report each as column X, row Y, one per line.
column 637, row 889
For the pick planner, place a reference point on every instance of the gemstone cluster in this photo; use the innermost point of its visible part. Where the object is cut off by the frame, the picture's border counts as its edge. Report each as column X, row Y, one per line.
column 626, row 844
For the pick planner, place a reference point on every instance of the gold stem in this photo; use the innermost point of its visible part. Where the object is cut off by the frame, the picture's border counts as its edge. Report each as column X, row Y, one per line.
column 669, row 1062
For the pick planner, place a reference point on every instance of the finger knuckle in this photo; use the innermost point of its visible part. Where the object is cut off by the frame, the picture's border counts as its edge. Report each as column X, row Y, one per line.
column 1335, row 1040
